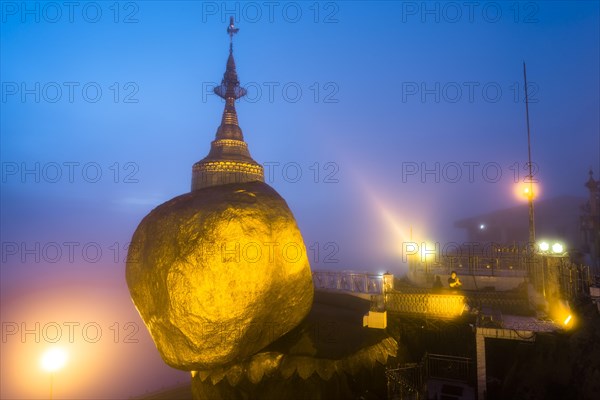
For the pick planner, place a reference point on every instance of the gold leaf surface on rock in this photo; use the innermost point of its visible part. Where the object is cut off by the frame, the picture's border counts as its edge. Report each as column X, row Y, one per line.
column 218, row 274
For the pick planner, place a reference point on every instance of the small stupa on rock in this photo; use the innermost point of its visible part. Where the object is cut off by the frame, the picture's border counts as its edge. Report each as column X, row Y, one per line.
column 229, row 160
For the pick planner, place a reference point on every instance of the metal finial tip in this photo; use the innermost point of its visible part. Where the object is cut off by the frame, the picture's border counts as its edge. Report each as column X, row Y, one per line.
column 231, row 29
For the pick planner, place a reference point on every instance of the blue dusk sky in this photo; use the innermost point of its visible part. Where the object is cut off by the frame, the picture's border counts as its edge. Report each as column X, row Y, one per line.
column 371, row 118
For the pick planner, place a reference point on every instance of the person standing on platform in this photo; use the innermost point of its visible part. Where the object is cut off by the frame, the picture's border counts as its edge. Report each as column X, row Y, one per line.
column 453, row 281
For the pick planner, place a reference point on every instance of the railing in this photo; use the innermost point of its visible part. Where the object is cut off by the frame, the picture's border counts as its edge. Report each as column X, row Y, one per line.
column 408, row 381
column 516, row 303
column 487, row 264
column 452, row 368
column 474, row 265
column 486, row 269
column 575, row 280
column 405, row 382
column 416, row 301
column 491, row 259
column 425, row 304
column 348, row 281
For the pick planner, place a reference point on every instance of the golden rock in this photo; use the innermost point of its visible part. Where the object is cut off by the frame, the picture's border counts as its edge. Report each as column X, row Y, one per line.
column 218, row 274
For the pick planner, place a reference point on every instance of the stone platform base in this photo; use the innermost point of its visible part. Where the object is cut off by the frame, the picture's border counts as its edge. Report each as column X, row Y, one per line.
column 328, row 356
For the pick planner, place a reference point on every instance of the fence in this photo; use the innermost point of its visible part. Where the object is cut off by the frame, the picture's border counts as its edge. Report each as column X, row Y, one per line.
column 425, row 304
column 409, row 381
column 348, row 281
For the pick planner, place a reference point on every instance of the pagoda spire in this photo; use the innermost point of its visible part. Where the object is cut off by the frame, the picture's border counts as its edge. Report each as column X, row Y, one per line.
column 229, row 160
column 591, row 184
column 230, row 90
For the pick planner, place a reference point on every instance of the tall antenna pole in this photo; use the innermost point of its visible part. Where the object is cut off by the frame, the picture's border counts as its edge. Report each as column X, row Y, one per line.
column 530, row 194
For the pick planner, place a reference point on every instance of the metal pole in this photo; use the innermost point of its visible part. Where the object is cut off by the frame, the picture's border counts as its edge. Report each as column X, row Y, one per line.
column 544, row 263
column 530, row 176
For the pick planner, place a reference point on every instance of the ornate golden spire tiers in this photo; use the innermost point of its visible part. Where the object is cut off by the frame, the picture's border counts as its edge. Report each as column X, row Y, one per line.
column 229, row 160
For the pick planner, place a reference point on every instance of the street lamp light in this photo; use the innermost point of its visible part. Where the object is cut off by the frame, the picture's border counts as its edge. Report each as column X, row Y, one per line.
column 53, row 360
column 557, row 248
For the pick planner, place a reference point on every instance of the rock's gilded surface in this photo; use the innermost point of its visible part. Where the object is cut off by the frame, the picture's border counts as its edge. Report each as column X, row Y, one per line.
column 218, row 274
